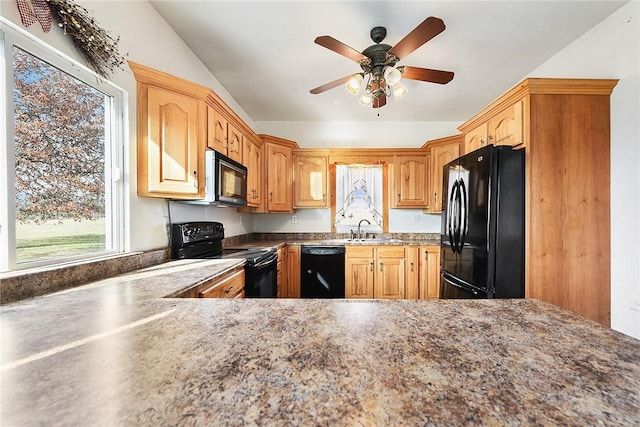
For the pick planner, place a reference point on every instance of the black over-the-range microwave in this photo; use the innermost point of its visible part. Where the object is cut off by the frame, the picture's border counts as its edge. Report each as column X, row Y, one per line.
column 225, row 181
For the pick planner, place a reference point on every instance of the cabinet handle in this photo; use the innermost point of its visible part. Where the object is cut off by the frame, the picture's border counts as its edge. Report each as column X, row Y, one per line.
column 324, row 198
column 435, row 197
column 195, row 176
column 271, row 196
column 412, row 267
column 490, row 136
column 226, row 291
column 371, row 265
column 381, row 265
column 398, row 197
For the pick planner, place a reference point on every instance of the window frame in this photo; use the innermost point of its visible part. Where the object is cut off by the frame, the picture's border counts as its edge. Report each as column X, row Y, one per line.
column 115, row 144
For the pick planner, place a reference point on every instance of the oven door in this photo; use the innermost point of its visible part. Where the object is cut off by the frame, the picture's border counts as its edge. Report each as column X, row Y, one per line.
column 261, row 277
column 452, row 287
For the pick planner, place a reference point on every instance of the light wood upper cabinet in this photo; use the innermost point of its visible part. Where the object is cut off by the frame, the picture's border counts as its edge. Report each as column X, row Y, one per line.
column 429, row 272
column 310, row 181
column 505, row 128
column 279, row 185
column 171, row 136
column 475, row 138
column 410, row 184
column 223, row 136
column 442, row 151
column 252, row 159
column 236, row 141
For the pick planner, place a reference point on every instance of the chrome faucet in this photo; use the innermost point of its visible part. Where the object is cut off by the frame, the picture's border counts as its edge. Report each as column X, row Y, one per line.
column 359, row 224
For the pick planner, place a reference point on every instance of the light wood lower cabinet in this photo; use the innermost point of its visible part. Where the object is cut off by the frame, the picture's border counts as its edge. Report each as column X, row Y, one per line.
column 359, row 266
column 429, row 272
column 279, row 273
column 292, row 271
column 382, row 272
column 412, row 273
column 231, row 285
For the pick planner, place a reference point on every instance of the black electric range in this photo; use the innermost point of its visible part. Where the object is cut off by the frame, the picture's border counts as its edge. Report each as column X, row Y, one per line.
column 203, row 240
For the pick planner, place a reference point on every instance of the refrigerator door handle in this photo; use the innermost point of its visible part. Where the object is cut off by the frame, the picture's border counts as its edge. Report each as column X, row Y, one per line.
column 464, row 215
column 450, row 215
column 458, row 217
column 459, row 285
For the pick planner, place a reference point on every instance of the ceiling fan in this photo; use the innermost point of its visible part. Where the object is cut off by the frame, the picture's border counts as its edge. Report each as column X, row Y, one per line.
column 378, row 64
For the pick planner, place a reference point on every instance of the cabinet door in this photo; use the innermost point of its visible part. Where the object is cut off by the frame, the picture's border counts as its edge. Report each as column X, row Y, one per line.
column 252, row 158
column 476, row 138
column 229, row 286
column 505, row 128
column 359, row 271
column 216, row 131
column 410, row 182
column 310, row 182
column 412, row 273
column 440, row 156
column 235, row 140
column 390, row 269
column 279, row 186
column 293, row 271
column 429, row 272
column 170, row 161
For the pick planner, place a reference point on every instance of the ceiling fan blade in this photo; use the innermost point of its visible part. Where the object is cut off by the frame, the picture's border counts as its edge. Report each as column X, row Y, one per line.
column 379, row 102
column 424, row 32
column 331, row 85
column 339, row 47
column 427, row 75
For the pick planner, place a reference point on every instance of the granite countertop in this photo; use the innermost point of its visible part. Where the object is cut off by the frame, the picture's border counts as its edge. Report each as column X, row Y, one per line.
column 117, row 353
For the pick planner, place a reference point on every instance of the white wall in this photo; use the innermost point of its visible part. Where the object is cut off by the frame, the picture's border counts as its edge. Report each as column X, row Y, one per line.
column 359, row 134
column 612, row 50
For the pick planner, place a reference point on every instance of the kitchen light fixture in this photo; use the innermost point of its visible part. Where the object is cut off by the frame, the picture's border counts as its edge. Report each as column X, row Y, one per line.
column 378, row 63
column 380, row 84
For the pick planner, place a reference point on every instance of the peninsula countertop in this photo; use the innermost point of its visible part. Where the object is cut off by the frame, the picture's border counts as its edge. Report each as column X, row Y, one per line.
column 116, row 352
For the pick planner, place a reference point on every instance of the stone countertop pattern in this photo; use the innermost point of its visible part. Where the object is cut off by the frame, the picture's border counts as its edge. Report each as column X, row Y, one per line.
column 116, row 353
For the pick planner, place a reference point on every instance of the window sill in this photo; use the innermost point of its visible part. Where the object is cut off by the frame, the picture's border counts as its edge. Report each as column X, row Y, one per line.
column 22, row 284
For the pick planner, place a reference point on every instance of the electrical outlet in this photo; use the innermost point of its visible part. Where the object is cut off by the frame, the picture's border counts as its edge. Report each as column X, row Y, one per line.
column 416, row 218
column 294, row 219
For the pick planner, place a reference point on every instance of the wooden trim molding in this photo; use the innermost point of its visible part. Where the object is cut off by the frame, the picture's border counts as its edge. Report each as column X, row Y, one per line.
column 540, row 86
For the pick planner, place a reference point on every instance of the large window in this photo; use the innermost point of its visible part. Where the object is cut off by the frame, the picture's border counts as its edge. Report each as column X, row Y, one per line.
column 62, row 190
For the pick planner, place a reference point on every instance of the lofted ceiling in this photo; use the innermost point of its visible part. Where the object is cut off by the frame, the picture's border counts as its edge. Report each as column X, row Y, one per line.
column 263, row 52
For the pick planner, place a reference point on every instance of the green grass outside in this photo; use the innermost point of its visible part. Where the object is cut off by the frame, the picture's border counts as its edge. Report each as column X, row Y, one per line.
column 53, row 239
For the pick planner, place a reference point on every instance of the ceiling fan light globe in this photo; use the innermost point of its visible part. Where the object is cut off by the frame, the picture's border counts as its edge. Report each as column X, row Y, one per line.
column 354, row 83
column 392, row 75
column 399, row 91
column 366, row 100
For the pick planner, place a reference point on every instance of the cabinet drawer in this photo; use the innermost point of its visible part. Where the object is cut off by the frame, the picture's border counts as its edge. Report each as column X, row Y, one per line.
column 229, row 286
column 359, row 251
column 391, row 251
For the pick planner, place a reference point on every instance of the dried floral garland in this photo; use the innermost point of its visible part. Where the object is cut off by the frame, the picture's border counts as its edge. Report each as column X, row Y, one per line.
column 98, row 48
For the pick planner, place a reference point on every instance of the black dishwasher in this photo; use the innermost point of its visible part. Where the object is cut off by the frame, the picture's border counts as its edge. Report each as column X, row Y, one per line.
column 322, row 272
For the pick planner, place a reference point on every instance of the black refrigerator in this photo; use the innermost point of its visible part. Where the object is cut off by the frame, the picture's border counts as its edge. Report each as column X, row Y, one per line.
column 482, row 238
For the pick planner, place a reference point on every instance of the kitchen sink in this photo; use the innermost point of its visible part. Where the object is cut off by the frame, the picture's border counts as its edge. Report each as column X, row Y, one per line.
column 371, row 241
